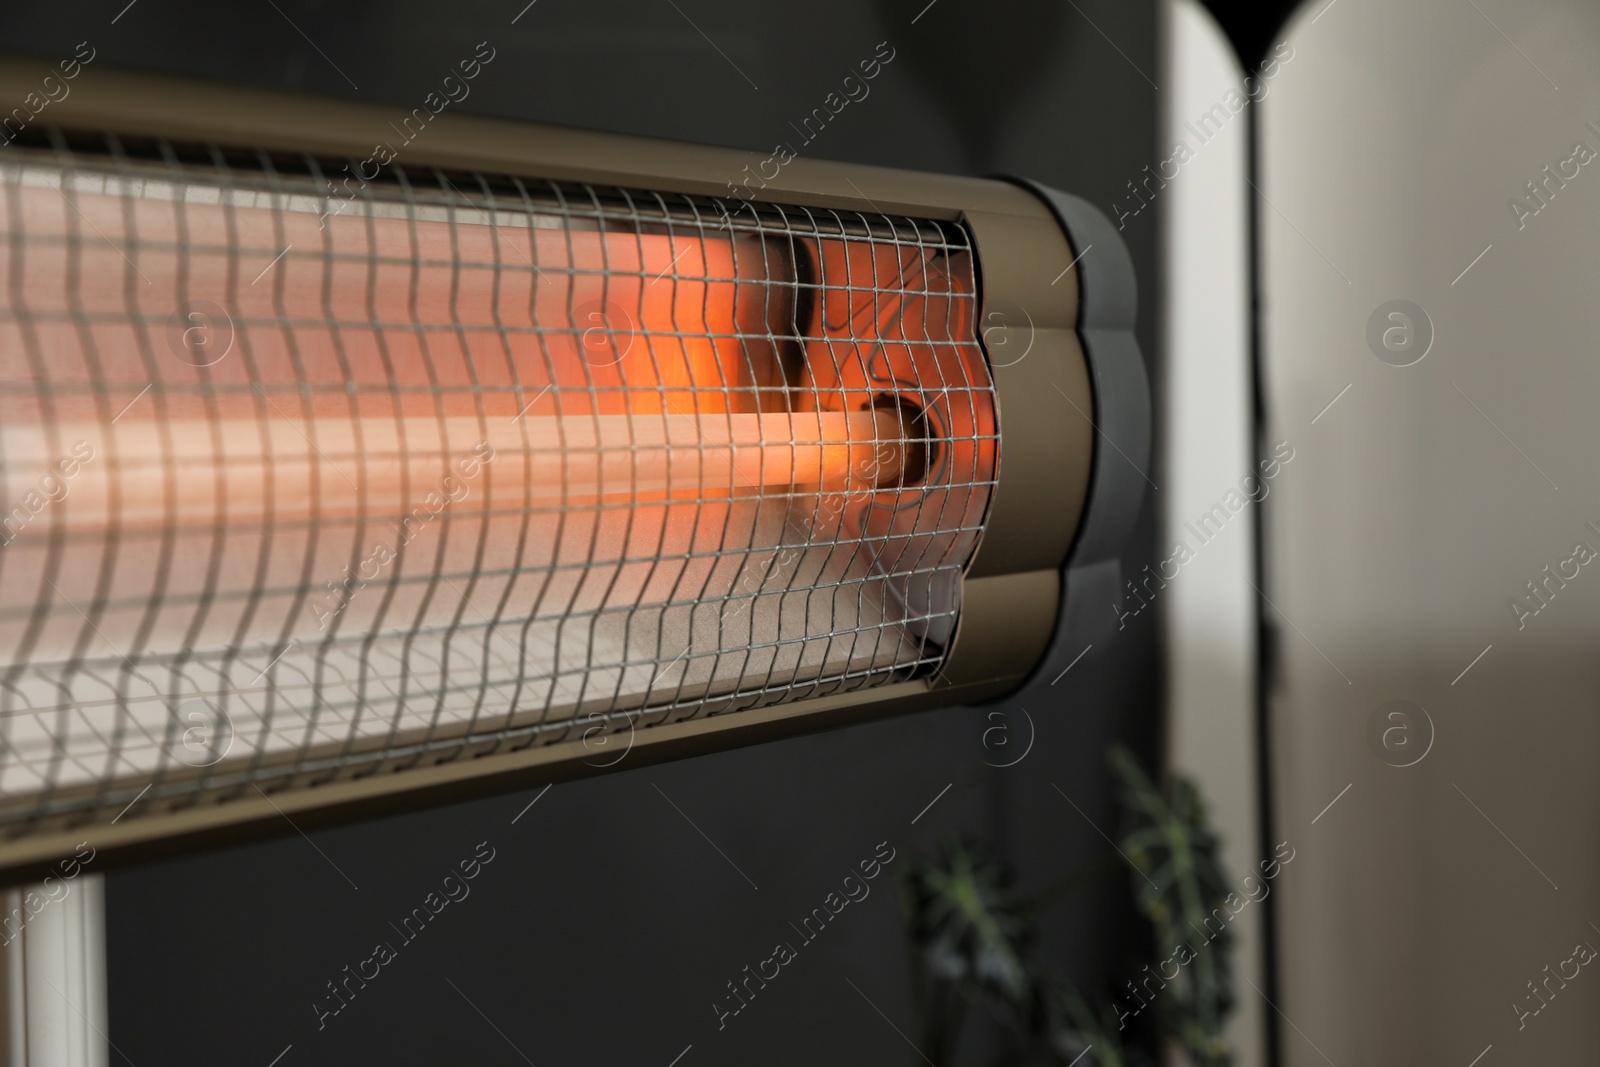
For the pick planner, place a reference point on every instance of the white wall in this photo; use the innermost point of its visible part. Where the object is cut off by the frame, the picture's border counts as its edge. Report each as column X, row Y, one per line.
column 1425, row 899
column 1207, row 451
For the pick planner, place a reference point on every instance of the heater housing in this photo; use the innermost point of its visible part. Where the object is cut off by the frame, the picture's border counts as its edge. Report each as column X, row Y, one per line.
column 351, row 465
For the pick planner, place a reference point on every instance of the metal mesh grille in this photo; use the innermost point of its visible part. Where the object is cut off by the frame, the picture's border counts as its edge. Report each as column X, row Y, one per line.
column 303, row 473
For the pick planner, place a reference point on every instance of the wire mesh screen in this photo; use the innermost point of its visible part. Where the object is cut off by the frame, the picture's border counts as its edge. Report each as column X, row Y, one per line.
column 305, row 473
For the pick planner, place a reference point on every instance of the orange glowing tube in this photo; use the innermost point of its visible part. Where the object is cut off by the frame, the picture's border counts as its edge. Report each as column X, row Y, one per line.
column 191, row 472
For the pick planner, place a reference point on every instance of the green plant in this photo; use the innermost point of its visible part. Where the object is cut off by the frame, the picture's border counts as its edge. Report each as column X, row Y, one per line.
column 1183, row 887
column 973, row 938
column 973, row 941
column 1077, row 1031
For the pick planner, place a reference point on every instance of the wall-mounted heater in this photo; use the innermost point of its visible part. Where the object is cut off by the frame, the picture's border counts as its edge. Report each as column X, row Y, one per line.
column 331, row 481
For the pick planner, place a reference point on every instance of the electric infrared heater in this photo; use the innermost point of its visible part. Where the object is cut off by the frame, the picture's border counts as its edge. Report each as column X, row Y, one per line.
column 348, row 465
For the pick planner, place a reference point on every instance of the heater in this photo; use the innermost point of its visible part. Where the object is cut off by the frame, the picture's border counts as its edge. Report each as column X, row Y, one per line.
column 347, row 464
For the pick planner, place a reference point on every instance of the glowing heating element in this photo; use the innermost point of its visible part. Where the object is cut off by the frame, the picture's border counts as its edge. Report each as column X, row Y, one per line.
column 471, row 460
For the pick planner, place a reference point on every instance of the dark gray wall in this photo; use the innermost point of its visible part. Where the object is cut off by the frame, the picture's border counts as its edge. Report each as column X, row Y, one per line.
column 607, row 923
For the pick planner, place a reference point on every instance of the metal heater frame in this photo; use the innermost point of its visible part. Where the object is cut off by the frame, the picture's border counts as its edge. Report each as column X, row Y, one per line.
column 1055, row 282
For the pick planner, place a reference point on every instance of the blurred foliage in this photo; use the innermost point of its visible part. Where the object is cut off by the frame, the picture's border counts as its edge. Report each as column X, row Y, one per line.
column 1184, row 884
column 973, row 937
